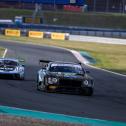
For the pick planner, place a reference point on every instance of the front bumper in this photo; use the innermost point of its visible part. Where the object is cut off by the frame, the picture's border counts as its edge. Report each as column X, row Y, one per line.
column 63, row 89
column 8, row 74
column 66, row 86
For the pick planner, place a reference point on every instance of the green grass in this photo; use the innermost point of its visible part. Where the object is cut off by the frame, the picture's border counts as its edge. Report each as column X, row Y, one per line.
column 101, row 20
column 108, row 56
column 2, row 51
column 6, row 13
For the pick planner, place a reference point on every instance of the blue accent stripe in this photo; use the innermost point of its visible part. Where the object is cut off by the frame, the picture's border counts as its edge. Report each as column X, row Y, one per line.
column 88, row 57
column 57, row 117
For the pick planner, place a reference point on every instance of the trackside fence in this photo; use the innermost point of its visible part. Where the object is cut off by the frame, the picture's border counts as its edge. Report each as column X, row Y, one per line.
column 72, row 30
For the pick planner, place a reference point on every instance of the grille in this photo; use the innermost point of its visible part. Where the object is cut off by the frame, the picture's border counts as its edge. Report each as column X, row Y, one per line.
column 6, row 69
column 70, row 83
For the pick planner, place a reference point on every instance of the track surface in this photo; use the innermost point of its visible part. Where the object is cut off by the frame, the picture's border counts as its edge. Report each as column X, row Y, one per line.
column 108, row 102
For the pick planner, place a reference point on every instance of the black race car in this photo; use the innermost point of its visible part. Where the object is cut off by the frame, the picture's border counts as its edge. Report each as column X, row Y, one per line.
column 64, row 77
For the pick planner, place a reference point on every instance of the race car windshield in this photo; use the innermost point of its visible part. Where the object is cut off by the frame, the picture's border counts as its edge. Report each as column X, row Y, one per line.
column 67, row 68
column 8, row 63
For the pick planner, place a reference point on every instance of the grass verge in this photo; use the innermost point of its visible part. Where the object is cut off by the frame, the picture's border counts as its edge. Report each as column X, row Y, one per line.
column 101, row 20
column 6, row 120
column 108, row 56
column 2, row 51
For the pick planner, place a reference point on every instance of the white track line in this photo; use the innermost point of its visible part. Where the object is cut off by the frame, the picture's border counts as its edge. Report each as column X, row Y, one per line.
column 5, row 52
column 79, row 57
column 83, row 60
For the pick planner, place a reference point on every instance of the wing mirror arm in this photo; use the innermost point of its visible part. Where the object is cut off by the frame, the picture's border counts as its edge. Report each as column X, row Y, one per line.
column 44, row 66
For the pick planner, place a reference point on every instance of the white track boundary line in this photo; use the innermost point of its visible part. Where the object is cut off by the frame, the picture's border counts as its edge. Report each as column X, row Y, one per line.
column 5, row 52
column 83, row 60
column 79, row 57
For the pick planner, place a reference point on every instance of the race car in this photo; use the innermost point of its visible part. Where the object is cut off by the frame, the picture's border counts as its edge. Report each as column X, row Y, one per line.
column 57, row 76
column 12, row 68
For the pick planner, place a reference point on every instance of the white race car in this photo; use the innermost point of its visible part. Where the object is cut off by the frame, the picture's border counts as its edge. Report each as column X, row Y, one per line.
column 12, row 68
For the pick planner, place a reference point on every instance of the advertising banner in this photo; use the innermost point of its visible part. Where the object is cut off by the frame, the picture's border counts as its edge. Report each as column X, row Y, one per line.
column 57, row 36
column 35, row 34
column 72, row 8
column 61, row 2
column 12, row 32
column 37, row 20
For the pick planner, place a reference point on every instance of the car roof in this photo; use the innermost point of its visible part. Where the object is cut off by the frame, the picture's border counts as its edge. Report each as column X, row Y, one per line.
column 11, row 59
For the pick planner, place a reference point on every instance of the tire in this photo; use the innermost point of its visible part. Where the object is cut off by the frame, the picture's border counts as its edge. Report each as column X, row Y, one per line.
column 17, row 76
column 37, row 79
column 88, row 91
column 23, row 77
column 38, row 89
column 38, row 83
column 42, row 88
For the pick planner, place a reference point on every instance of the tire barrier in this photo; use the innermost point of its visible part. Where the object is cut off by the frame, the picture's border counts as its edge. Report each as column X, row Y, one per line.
column 35, row 34
column 73, row 30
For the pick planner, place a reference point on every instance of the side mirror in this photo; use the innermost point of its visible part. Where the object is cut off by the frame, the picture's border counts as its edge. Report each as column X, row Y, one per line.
column 87, row 71
column 22, row 62
column 23, row 65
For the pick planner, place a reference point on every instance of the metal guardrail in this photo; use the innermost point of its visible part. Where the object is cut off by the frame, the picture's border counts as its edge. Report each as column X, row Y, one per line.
column 119, row 33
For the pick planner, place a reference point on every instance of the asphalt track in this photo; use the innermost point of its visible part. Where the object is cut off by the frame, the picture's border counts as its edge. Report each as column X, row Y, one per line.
column 108, row 102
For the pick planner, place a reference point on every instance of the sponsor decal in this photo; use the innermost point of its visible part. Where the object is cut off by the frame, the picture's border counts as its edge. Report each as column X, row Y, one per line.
column 72, row 8
column 52, row 87
column 69, row 74
column 35, row 34
column 12, row 32
column 37, row 20
column 57, row 36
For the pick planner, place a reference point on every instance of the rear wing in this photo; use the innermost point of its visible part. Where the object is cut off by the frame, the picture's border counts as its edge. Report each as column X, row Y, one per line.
column 44, row 63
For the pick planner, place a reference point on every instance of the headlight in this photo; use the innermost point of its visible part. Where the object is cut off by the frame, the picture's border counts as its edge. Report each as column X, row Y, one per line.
column 52, row 80
column 16, row 69
column 85, row 82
